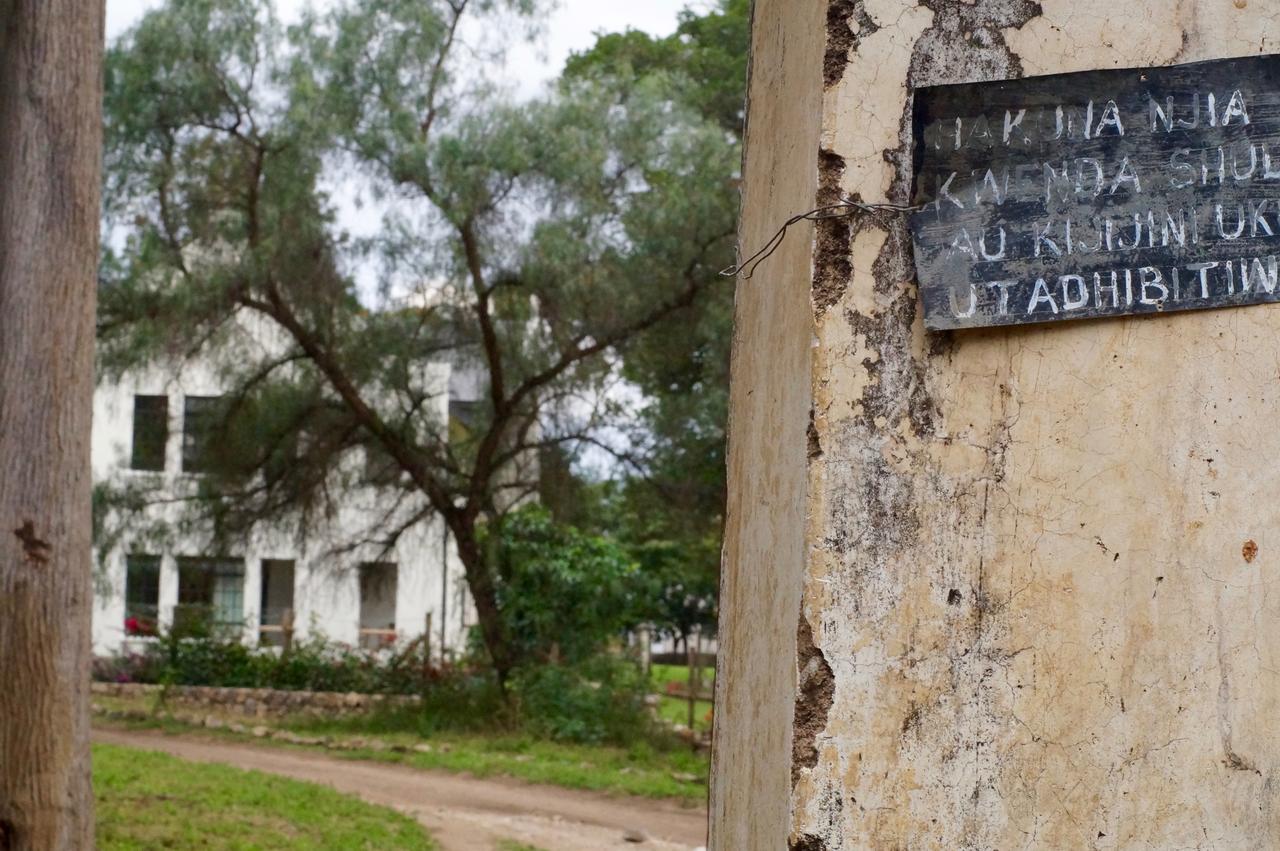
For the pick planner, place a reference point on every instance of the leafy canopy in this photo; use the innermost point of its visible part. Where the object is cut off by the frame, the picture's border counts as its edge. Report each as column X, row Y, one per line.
column 566, row 594
column 672, row 515
column 529, row 247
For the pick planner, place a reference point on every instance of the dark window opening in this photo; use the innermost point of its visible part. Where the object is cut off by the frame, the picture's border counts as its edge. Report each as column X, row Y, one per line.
column 380, row 468
column 465, row 419
column 150, row 432
column 277, row 601
column 210, row 595
column 377, row 605
column 142, row 595
column 282, row 459
column 201, row 416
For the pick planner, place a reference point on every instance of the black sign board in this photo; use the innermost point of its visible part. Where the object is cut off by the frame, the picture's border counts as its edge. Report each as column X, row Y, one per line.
column 1100, row 193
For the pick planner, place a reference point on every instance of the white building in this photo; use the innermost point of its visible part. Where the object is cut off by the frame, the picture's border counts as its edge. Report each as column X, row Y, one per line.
column 144, row 433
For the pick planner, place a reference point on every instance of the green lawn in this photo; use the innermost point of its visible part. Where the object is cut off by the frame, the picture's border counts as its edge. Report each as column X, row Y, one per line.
column 148, row 800
column 643, row 769
column 675, row 710
column 663, row 674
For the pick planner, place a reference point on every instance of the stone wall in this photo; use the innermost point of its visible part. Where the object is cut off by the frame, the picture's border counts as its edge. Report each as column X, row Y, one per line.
column 259, row 702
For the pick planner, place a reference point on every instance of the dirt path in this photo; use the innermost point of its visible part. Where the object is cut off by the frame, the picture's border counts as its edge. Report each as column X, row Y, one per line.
column 464, row 813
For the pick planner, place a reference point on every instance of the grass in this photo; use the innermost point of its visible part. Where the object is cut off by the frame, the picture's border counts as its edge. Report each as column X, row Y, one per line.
column 663, row 674
column 641, row 769
column 651, row 770
column 149, row 800
column 675, row 710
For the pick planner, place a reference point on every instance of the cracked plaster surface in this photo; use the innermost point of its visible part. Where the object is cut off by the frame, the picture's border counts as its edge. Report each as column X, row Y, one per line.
column 1024, row 561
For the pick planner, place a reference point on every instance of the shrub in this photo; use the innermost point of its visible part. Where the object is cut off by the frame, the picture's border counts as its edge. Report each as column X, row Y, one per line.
column 594, row 701
column 128, row 668
column 564, row 594
column 464, row 699
column 599, row 700
column 208, row 658
column 459, row 700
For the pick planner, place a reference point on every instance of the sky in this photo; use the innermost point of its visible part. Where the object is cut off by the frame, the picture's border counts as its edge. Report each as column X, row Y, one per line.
column 572, row 26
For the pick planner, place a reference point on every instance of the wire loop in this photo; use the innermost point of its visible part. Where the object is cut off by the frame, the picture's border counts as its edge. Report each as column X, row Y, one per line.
column 845, row 209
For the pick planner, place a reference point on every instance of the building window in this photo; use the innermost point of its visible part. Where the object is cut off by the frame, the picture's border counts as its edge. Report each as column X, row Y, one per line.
column 380, row 468
column 200, row 419
column 210, row 595
column 282, row 458
column 150, row 432
column 377, row 605
column 142, row 595
column 464, row 419
column 277, row 601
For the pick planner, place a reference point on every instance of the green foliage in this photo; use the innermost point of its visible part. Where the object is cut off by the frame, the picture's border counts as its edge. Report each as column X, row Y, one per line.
column 663, row 767
column 672, row 518
column 205, row 658
column 151, row 800
column 456, row 700
column 684, row 579
column 678, row 557
column 538, row 246
column 564, row 594
column 710, row 50
column 598, row 700
column 463, row 700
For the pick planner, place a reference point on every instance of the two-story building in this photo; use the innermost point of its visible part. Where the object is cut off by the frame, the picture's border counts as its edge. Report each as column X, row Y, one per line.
column 161, row 568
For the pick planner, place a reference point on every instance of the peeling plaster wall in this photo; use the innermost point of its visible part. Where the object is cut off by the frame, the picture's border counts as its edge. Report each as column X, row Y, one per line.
column 1041, row 583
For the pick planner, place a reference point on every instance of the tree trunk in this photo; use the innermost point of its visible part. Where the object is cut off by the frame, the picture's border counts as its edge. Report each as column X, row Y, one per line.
column 484, row 594
column 50, row 172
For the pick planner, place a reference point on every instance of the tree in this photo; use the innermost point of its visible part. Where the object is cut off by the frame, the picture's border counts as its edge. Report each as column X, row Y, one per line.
column 708, row 50
column 50, row 170
column 529, row 244
column 565, row 594
column 672, row 515
column 677, row 567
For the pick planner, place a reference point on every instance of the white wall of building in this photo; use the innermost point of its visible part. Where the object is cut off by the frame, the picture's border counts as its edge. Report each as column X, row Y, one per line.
column 326, row 571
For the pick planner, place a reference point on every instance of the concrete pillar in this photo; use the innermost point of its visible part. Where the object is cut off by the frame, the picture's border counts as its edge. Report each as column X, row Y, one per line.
column 167, row 599
column 251, row 632
column 1000, row 589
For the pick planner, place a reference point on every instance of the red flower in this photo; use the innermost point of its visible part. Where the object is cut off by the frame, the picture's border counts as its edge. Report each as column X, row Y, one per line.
column 134, row 625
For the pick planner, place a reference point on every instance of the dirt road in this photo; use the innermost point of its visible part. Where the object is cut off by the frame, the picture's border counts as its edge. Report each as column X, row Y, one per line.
column 464, row 813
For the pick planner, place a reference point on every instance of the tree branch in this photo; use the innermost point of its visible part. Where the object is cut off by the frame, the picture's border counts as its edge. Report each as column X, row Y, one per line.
column 276, row 309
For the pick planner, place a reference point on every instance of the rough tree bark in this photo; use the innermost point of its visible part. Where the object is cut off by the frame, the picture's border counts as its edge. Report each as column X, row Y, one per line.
column 50, row 167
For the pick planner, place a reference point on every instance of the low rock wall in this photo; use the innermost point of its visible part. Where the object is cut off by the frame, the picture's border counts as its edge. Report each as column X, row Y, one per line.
column 260, row 702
